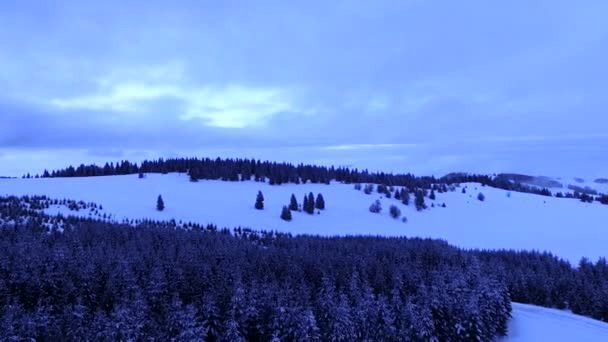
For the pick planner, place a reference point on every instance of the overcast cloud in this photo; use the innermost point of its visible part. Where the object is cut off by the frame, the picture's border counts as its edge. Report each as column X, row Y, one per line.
column 119, row 75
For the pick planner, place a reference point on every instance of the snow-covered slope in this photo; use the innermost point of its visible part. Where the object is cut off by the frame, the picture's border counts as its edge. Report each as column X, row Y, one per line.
column 566, row 227
column 532, row 323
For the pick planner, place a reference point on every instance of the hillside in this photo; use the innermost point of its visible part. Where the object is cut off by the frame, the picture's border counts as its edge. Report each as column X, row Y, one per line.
column 507, row 220
column 503, row 220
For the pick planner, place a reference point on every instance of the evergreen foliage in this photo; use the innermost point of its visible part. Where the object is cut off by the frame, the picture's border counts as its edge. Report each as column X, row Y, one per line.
column 394, row 211
column 160, row 204
column 309, row 204
column 293, row 203
column 419, row 200
column 286, row 213
column 405, row 196
column 320, row 202
column 376, row 207
column 259, row 201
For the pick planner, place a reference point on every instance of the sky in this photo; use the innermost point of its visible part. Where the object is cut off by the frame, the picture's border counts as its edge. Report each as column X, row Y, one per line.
column 453, row 79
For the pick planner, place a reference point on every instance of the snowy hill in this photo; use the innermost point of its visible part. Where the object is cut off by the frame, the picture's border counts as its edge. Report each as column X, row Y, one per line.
column 564, row 227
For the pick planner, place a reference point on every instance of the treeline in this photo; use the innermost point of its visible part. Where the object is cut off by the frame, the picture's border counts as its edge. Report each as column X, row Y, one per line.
column 102, row 281
column 280, row 173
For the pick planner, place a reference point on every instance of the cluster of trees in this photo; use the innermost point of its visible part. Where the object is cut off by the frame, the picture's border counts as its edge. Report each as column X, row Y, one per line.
column 309, row 205
column 279, row 173
column 101, row 280
column 402, row 195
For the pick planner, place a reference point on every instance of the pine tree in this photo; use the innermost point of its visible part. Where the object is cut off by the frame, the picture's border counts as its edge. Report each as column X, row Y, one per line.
column 293, row 203
column 286, row 214
column 309, row 206
column 419, row 201
column 160, row 204
column 320, row 202
column 305, row 204
column 259, row 201
column 432, row 195
column 405, row 197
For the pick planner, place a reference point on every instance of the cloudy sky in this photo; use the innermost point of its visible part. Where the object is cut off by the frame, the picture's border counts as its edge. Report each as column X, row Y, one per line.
column 169, row 75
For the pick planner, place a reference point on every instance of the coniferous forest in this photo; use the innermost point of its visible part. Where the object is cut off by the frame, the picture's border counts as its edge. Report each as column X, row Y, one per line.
column 280, row 173
column 69, row 278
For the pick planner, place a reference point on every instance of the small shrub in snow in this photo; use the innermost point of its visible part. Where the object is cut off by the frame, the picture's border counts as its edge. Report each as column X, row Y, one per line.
column 376, row 207
column 369, row 188
column 358, row 186
column 481, row 197
column 394, row 211
column 404, row 219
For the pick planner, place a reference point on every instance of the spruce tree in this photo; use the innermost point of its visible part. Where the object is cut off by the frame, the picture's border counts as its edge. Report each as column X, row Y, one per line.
column 405, row 197
column 311, row 203
column 305, row 204
column 419, row 201
column 432, row 195
column 286, row 214
column 293, row 203
column 160, row 204
column 320, row 202
column 259, row 201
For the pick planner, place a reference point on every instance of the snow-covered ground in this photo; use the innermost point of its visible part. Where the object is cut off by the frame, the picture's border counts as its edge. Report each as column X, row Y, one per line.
column 532, row 323
column 566, row 227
